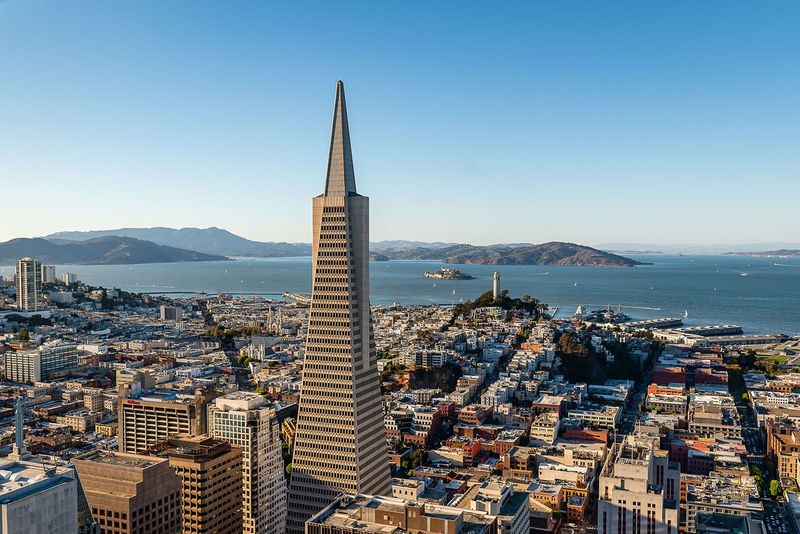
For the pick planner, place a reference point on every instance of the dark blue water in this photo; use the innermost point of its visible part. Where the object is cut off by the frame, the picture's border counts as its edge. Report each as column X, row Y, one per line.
column 711, row 288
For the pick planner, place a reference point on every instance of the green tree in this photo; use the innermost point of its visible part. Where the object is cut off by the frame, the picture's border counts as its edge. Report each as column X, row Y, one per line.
column 419, row 457
column 23, row 334
column 774, row 488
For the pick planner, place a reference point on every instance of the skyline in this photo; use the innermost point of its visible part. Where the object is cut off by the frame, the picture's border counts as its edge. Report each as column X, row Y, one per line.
column 572, row 124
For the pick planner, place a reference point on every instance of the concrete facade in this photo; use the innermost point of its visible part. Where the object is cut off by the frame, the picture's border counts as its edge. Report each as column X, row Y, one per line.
column 245, row 420
column 129, row 493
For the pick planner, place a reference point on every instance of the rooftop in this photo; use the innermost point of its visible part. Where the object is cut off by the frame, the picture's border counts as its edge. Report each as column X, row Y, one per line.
column 121, row 459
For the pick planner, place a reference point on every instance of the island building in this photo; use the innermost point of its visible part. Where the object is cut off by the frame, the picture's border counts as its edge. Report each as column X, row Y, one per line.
column 340, row 444
column 248, row 422
column 211, row 482
column 52, row 360
column 29, row 284
column 149, row 418
column 495, row 285
column 131, row 493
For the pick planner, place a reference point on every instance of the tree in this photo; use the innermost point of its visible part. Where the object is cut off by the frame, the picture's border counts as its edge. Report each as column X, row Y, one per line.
column 420, row 457
column 23, row 335
column 774, row 488
column 568, row 344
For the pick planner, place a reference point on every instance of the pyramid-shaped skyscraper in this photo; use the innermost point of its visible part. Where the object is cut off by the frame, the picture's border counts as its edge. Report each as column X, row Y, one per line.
column 340, row 440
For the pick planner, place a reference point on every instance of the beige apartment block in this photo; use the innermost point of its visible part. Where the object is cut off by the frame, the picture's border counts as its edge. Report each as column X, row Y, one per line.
column 340, row 444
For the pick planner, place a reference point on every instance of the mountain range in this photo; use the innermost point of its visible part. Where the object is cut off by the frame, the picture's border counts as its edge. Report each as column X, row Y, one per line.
column 150, row 245
column 215, row 241
column 106, row 250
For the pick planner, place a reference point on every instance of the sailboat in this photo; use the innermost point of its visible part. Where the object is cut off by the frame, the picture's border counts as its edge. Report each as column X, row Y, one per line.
column 685, row 314
column 434, row 284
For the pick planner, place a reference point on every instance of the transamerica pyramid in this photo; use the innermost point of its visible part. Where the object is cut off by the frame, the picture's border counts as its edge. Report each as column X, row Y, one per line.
column 340, row 440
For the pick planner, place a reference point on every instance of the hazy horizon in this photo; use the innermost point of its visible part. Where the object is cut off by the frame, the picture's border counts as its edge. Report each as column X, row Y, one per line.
column 667, row 247
column 598, row 123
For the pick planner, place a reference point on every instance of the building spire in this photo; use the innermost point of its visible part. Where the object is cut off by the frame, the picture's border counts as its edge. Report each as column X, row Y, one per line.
column 341, row 179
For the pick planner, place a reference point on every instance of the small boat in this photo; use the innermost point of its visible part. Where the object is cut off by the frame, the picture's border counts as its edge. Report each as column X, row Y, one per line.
column 685, row 314
column 434, row 284
column 454, row 292
column 744, row 274
column 576, row 284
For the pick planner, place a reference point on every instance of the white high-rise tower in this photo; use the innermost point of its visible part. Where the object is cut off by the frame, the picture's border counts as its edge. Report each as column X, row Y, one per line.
column 29, row 284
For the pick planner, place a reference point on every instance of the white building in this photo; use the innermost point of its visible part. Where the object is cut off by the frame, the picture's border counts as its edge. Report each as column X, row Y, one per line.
column 639, row 489
column 69, row 278
column 43, row 363
column 597, row 415
column 245, row 420
column 48, row 274
column 544, row 429
column 498, row 498
column 35, row 500
column 29, row 284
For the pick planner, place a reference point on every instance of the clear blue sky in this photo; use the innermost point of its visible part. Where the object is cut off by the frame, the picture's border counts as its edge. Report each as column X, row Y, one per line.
column 474, row 122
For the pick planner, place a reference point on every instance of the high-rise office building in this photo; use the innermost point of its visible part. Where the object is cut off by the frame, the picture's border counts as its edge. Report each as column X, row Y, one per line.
column 340, row 443
column 129, row 493
column 211, row 482
column 246, row 421
column 29, row 284
column 69, row 278
column 639, row 489
column 155, row 416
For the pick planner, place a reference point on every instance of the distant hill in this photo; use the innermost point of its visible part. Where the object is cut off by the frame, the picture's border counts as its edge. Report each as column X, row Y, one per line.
column 212, row 240
column 218, row 242
column 780, row 253
column 553, row 253
column 693, row 248
column 107, row 250
column 403, row 244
